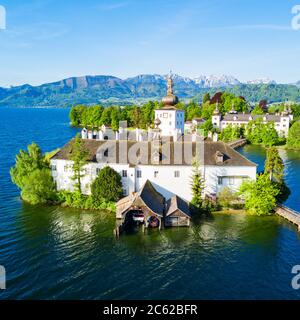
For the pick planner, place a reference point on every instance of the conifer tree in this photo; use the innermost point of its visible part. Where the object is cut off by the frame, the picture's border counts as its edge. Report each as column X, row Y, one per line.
column 79, row 158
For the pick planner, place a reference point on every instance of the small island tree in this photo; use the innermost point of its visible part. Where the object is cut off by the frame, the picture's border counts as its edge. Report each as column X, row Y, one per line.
column 32, row 175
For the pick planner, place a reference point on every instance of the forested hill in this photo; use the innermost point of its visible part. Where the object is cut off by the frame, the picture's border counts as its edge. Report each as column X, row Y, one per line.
column 108, row 90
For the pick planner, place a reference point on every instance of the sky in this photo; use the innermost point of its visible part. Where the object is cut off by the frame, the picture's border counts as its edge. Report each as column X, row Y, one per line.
column 48, row 40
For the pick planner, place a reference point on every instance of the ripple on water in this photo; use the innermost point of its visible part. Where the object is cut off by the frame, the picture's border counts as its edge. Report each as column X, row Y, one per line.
column 60, row 253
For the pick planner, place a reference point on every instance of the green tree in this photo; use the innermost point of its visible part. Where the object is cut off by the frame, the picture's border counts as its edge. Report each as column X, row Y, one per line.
column 26, row 163
column 206, row 97
column 107, row 186
column 260, row 195
column 147, row 114
column 193, row 111
column 115, row 112
column 274, row 166
column 79, row 158
column 231, row 133
column 257, row 110
column 197, row 186
column 207, row 126
column 39, row 187
column 258, row 132
column 32, row 175
column 226, row 198
column 293, row 140
column 106, row 117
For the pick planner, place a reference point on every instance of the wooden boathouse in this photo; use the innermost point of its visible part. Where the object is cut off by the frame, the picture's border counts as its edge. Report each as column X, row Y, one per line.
column 177, row 213
column 151, row 209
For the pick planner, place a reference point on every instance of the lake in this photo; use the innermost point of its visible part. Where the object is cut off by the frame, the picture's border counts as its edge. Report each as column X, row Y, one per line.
column 60, row 253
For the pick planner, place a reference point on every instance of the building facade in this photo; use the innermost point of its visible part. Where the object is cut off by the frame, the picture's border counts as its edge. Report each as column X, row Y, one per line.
column 281, row 120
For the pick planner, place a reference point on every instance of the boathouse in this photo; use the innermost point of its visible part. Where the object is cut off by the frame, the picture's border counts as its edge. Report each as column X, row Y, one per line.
column 146, row 206
column 150, row 208
column 177, row 213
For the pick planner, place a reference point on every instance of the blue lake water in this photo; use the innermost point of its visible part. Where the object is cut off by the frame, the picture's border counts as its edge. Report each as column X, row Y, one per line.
column 56, row 253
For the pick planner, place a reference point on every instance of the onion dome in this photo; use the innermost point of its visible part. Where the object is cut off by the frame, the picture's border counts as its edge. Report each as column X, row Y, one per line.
column 157, row 122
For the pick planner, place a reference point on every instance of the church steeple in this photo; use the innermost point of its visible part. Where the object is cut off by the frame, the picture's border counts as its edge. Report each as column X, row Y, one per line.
column 170, row 100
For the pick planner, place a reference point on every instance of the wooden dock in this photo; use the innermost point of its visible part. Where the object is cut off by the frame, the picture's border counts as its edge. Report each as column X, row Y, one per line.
column 237, row 143
column 288, row 214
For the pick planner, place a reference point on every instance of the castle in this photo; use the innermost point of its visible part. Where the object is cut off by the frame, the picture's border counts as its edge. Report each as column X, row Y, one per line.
column 160, row 159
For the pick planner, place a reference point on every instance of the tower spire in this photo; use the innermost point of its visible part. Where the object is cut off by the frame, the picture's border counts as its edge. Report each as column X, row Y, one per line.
column 170, row 84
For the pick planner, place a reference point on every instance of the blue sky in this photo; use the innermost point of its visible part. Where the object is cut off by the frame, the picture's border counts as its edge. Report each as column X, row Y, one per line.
column 47, row 40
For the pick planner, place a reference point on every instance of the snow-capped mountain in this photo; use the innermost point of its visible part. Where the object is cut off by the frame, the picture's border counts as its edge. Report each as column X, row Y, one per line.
column 261, row 81
column 214, row 81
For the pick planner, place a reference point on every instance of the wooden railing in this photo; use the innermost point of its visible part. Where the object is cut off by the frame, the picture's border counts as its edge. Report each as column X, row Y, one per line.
column 237, row 143
column 289, row 214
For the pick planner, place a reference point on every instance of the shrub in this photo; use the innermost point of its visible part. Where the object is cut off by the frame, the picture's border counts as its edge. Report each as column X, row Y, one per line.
column 107, row 186
column 227, row 198
column 260, row 195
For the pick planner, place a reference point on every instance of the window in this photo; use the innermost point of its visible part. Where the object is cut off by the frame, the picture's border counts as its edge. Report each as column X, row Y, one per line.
column 231, row 181
column 165, row 115
column 139, row 174
column 170, row 123
column 155, row 174
column 220, row 181
column 125, row 192
column 53, row 167
column 176, row 174
column 124, row 173
column 66, row 168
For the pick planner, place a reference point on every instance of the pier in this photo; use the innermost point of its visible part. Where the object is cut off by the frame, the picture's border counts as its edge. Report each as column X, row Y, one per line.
column 237, row 143
column 288, row 214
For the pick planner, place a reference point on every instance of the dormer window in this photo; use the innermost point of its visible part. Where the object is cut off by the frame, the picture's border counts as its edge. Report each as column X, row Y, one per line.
column 235, row 118
column 156, row 156
column 219, row 157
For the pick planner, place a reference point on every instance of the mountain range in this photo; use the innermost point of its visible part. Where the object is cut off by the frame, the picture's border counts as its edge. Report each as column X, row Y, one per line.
column 109, row 90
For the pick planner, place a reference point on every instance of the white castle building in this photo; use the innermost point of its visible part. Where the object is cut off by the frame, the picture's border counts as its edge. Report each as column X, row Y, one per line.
column 163, row 157
column 281, row 120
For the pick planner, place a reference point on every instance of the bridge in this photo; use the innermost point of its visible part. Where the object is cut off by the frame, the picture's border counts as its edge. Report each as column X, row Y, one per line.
column 237, row 143
column 288, row 214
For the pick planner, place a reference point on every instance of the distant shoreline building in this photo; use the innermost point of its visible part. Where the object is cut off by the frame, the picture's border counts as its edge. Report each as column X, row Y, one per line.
column 233, row 118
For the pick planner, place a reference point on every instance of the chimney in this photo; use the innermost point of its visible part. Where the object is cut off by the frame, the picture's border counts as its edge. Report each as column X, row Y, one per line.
column 100, row 135
column 215, row 137
column 84, row 134
column 117, row 135
column 194, row 137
